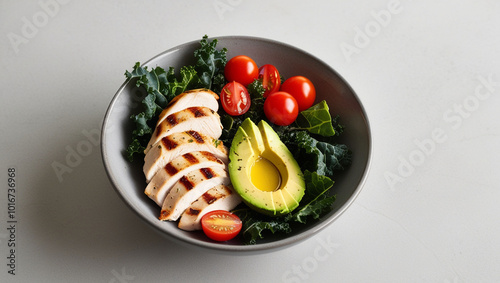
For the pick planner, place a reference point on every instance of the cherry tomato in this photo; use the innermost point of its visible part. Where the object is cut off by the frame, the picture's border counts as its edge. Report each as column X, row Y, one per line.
column 302, row 89
column 270, row 79
column 241, row 69
column 235, row 99
column 281, row 108
column 221, row 225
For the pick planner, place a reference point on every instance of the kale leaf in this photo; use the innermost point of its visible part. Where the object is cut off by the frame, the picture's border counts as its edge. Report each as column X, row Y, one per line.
column 316, row 198
column 323, row 157
column 210, row 64
column 255, row 225
column 316, row 120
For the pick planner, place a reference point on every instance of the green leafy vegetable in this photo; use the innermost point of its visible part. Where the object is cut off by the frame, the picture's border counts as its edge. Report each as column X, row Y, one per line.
column 210, row 64
column 316, row 199
column 256, row 89
column 316, row 120
column 335, row 156
column 317, row 156
column 135, row 147
column 255, row 225
column 188, row 80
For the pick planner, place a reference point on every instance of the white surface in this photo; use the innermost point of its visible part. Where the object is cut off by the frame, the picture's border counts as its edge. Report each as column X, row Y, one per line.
column 438, row 224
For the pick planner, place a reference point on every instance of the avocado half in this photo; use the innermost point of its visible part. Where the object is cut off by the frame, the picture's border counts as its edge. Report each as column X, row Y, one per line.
column 252, row 143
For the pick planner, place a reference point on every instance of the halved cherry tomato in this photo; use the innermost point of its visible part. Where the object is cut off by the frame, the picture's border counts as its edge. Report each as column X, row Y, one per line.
column 281, row 108
column 270, row 79
column 221, row 225
column 235, row 99
column 302, row 89
column 241, row 69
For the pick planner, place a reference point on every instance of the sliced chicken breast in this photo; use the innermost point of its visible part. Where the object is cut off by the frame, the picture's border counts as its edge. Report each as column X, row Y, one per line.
column 192, row 98
column 189, row 188
column 166, row 177
column 200, row 119
column 221, row 197
column 175, row 145
column 179, row 163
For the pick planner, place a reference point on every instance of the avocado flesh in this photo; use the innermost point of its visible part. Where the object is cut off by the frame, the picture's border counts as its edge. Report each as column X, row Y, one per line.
column 251, row 143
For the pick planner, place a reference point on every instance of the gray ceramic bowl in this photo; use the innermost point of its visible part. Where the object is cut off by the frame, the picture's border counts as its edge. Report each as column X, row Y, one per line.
column 128, row 180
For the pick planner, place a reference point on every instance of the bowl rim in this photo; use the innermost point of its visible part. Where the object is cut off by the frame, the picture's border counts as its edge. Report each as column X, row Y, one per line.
column 261, row 247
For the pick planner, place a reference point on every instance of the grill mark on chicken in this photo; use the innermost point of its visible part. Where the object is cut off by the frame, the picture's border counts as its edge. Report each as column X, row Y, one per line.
column 168, row 143
column 192, row 211
column 172, row 120
column 186, row 183
column 209, row 198
column 196, row 136
column 191, row 159
column 211, row 157
column 197, row 111
column 208, row 173
column 171, row 170
column 164, row 214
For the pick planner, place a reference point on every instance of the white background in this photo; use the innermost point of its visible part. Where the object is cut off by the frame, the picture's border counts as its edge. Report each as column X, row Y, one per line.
column 429, row 211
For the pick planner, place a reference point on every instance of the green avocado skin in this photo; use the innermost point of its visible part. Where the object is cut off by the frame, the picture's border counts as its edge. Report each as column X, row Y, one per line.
column 252, row 142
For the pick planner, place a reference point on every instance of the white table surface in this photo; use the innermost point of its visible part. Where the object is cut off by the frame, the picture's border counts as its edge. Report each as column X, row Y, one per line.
column 427, row 72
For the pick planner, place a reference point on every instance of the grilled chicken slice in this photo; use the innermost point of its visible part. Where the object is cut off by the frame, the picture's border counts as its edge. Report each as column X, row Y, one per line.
column 175, row 145
column 191, row 98
column 163, row 181
column 220, row 197
column 189, row 188
column 200, row 119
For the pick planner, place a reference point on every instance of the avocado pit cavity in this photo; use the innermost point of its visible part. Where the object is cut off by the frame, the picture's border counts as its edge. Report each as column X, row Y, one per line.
column 265, row 176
